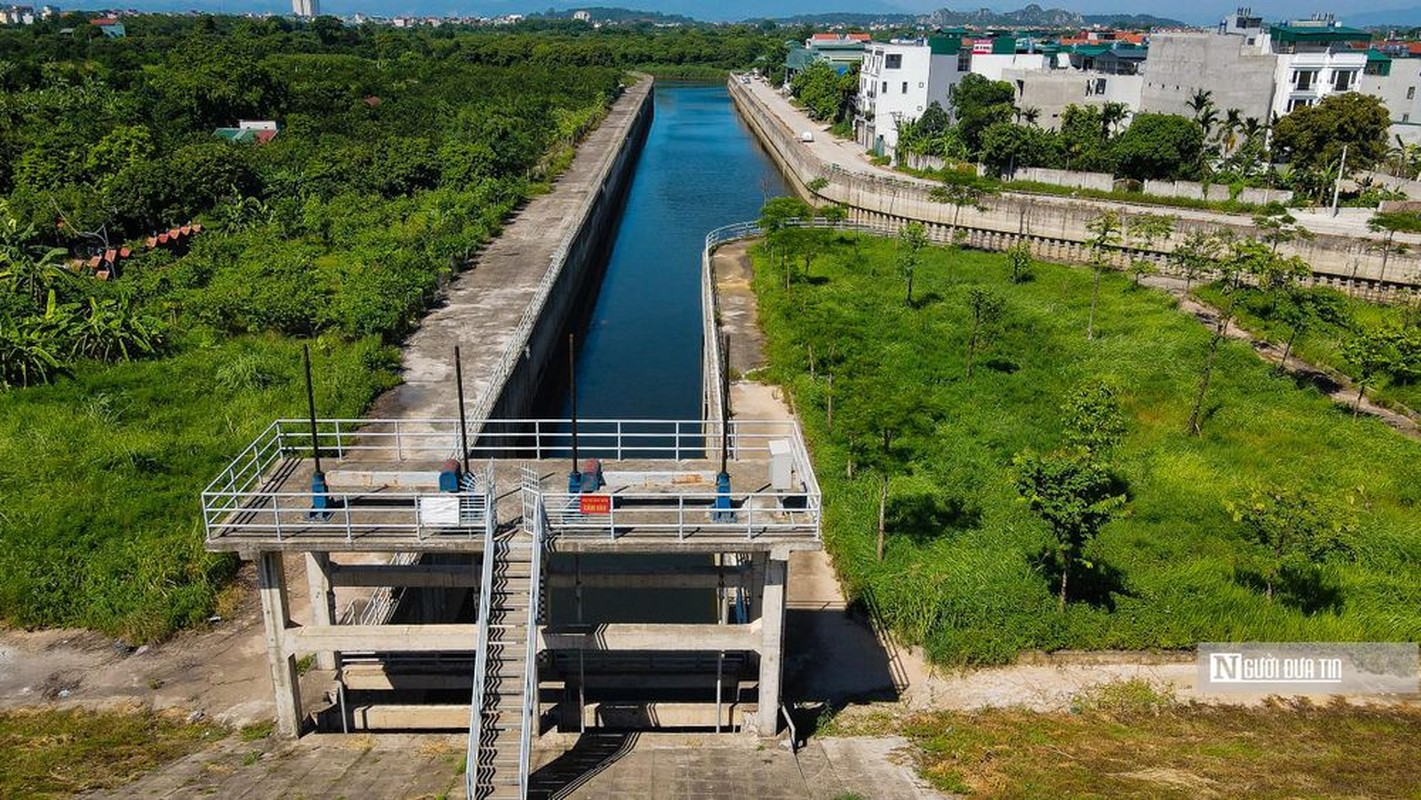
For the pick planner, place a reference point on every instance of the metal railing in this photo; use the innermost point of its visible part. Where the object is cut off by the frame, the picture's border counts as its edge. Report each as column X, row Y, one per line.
column 471, row 764
column 685, row 515
column 381, row 604
column 378, row 471
column 536, row 528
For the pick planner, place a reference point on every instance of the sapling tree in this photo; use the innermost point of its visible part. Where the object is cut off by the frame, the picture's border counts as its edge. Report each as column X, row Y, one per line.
column 1144, row 231
column 1094, row 420
column 1019, row 260
column 1392, row 223
column 1196, row 255
column 912, row 238
column 1104, row 234
column 1074, row 494
column 1246, row 257
column 1279, row 226
column 962, row 190
column 1293, row 528
column 1382, row 353
column 987, row 308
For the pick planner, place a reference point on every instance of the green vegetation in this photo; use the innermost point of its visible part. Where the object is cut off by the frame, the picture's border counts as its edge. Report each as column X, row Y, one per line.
column 968, row 568
column 64, row 753
column 398, row 155
column 1320, row 323
column 1130, row 741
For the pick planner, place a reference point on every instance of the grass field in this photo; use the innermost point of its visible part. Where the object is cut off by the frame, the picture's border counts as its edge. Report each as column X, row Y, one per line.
column 64, row 753
column 964, row 572
column 1322, row 342
column 1125, row 741
column 100, row 475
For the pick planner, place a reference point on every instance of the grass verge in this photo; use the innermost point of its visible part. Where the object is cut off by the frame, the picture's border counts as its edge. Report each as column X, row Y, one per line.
column 1126, row 750
column 62, row 753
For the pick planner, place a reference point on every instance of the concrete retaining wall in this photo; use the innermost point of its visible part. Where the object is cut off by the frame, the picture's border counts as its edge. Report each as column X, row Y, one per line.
column 584, row 253
column 1216, row 191
column 1054, row 227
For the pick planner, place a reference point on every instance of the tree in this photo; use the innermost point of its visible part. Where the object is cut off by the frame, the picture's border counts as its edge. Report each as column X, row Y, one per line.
column 824, row 92
column 1158, row 146
column 912, row 238
column 1084, row 138
column 1378, row 354
column 1196, row 255
column 1294, row 528
column 977, row 104
column 1007, row 147
column 1105, row 234
column 1019, row 259
column 1279, row 226
column 1299, row 309
column 1074, row 495
column 778, row 216
column 1311, row 138
column 987, row 309
column 962, row 190
column 1246, row 257
column 1143, row 231
column 1393, row 222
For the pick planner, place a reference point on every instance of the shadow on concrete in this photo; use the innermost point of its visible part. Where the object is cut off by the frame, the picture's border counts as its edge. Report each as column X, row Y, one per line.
column 592, row 754
column 833, row 657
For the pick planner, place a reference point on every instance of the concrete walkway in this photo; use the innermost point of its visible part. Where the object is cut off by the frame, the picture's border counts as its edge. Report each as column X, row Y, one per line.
column 485, row 303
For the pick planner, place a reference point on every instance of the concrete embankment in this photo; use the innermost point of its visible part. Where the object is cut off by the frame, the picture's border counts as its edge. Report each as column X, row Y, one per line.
column 507, row 311
column 1054, row 227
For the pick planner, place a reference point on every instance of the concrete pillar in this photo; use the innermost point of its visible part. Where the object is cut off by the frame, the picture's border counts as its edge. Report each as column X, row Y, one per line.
column 772, row 642
column 323, row 602
column 276, row 613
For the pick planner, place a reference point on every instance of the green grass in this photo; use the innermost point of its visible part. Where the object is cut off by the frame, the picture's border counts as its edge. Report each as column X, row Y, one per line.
column 100, row 475
column 1166, row 751
column 1322, row 343
column 961, row 571
column 63, row 753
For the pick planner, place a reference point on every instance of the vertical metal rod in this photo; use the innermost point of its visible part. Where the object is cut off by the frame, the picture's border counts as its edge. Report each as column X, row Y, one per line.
column 344, row 720
column 572, row 392
column 724, row 402
column 463, row 422
column 311, row 406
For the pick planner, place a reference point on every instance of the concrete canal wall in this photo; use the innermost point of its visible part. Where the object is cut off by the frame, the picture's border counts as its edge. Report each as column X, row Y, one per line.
column 1054, row 227
column 507, row 311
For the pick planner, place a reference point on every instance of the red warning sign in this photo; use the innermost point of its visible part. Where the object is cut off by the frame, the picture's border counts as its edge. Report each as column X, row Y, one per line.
column 596, row 504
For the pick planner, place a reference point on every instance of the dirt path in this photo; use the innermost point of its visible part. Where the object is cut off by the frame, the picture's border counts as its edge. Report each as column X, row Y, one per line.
column 1329, row 382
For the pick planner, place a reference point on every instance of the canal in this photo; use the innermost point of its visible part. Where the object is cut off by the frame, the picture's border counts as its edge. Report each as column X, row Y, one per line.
column 639, row 344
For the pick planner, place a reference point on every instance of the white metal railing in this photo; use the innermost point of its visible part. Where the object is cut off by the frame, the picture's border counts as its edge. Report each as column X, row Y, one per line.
column 381, row 604
column 536, row 528
column 252, row 495
column 471, row 764
column 684, row 515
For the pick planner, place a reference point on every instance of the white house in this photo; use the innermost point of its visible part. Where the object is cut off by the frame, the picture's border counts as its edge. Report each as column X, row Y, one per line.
column 899, row 80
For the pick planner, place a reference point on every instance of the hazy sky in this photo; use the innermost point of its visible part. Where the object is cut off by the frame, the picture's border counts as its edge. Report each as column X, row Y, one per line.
column 1205, row 12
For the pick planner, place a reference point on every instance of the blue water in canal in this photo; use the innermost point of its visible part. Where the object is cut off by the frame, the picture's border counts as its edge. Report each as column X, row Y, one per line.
column 639, row 355
column 639, row 351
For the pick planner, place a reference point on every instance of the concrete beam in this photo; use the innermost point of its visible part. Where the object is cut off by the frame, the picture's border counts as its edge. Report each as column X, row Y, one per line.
column 423, row 576
column 323, row 602
column 640, row 636
column 615, row 580
column 464, row 638
column 608, row 715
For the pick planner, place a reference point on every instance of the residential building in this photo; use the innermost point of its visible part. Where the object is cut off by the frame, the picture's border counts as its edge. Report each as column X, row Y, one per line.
column 991, row 56
column 306, row 8
column 1048, row 92
column 842, row 51
column 1315, row 58
column 899, row 80
column 258, row 131
column 110, row 26
column 17, row 15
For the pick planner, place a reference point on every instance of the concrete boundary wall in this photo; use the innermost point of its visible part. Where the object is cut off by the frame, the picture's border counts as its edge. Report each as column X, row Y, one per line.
column 1216, row 191
column 1102, row 181
column 1054, row 227
column 573, row 267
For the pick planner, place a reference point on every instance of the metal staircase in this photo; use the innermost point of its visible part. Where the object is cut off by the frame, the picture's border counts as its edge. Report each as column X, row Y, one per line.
column 504, row 710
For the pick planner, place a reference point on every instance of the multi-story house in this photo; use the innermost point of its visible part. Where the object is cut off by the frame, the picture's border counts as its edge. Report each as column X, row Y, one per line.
column 899, row 80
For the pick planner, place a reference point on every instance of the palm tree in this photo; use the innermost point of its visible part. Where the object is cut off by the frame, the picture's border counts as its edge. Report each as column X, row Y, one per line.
column 1111, row 115
column 1228, row 133
column 1199, row 101
column 1030, row 114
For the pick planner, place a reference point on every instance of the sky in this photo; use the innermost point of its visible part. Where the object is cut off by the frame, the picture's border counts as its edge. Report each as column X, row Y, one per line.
column 1203, row 13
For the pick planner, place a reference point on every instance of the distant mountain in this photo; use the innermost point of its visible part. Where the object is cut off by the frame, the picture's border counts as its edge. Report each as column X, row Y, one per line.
column 852, row 18
column 614, row 14
column 1034, row 16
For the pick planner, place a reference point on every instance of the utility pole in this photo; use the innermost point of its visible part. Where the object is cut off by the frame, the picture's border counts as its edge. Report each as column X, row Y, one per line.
column 1337, row 187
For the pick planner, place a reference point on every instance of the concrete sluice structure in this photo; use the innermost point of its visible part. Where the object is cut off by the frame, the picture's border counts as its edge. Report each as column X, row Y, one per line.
column 460, row 609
